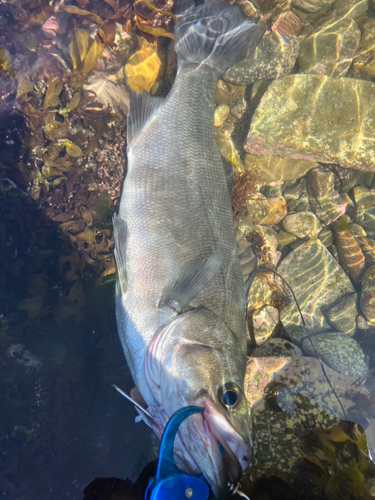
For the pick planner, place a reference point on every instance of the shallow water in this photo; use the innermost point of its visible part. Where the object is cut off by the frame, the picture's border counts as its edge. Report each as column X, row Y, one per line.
column 303, row 193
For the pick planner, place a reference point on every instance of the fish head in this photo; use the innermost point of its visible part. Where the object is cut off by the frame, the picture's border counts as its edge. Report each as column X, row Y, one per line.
column 200, row 362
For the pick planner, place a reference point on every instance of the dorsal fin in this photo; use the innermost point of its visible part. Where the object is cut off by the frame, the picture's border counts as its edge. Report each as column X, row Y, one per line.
column 142, row 108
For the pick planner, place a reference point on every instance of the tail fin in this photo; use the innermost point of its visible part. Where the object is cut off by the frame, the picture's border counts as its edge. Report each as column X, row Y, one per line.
column 214, row 33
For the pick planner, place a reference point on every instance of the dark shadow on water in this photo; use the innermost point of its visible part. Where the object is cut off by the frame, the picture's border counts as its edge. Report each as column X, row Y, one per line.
column 61, row 423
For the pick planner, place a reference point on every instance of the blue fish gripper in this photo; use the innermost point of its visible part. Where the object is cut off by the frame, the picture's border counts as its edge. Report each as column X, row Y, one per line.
column 169, row 482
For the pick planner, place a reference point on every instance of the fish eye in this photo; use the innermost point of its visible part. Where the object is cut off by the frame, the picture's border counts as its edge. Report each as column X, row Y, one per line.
column 229, row 395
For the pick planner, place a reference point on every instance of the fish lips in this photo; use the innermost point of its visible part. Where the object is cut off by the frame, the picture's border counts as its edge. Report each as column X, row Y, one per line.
column 197, row 449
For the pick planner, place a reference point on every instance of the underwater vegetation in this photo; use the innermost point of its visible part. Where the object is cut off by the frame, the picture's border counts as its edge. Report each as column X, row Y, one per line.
column 64, row 100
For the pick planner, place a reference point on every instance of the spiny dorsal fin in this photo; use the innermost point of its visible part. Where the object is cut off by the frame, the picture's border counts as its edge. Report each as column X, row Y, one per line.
column 181, row 292
column 119, row 231
column 142, row 108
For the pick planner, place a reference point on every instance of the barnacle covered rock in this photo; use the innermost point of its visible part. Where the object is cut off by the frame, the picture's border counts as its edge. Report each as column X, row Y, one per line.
column 275, row 347
column 297, row 423
column 338, row 351
column 275, row 56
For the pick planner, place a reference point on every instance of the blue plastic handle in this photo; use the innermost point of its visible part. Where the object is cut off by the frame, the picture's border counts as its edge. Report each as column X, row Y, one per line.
column 169, row 483
column 166, row 464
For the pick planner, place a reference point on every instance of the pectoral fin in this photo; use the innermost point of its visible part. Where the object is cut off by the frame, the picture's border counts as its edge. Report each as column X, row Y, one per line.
column 181, row 292
column 119, row 229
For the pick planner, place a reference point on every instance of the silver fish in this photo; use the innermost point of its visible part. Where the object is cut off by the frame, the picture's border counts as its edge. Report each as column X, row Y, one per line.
column 180, row 302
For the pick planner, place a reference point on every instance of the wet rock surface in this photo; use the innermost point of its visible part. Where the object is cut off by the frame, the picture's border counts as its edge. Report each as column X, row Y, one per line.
column 344, row 138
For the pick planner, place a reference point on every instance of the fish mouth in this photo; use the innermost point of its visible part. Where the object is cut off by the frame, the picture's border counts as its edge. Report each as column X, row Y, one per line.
column 197, row 449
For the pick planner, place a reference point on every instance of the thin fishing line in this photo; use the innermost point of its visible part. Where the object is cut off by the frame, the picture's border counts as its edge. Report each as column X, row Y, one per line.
column 263, row 267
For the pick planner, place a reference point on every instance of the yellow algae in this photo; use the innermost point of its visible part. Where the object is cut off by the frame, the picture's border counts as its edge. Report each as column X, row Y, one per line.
column 55, row 86
column 143, row 67
column 84, row 51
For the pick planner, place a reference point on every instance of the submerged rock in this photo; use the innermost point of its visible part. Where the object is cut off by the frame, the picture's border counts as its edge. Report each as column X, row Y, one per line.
column 364, row 197
column 330, row 50
column 228, row 94
column 362, row 324
column 225, row 143
column 312, row 5
column 221, row 114
column 262, row 210
column 350, row 178
column 368, row 294
column 284, row 239
column 364, row 60
column 317, row 282
column 350, row 254
column 264, row 322
column 338, row 351
column 291, row 403
column 287, row 23
column 325, row 200
column 343, row 315
column 277, row 210
column 274, row 57
column 296, row 196
column 354, row 9
column 274, row 168
column 325, row 236
column 276, row 347
column 368, row 248
column 302, row 224
column 317, row 118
